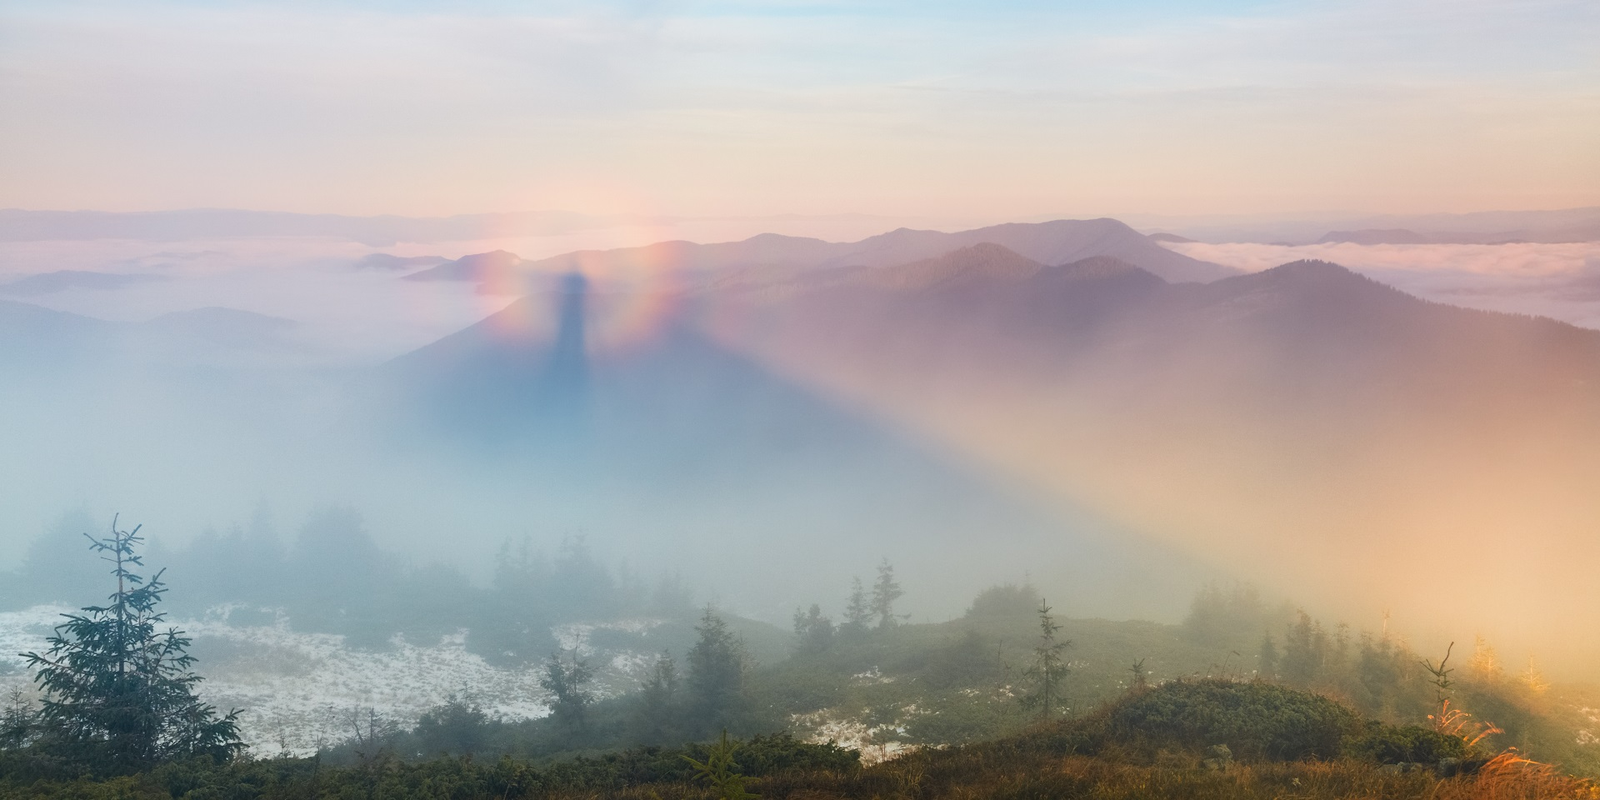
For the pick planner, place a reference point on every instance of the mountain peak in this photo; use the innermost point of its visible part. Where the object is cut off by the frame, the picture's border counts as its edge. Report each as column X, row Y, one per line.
column 1095, row 267
column 1312, row 286
column 1315, row 269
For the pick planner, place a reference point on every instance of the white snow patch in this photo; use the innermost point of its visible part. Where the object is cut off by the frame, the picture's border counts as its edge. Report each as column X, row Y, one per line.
column 301, row 691
column 875, row 742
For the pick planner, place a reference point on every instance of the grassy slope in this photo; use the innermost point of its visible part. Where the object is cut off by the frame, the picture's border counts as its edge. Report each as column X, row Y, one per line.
column 1146, row 745
column 953, row 682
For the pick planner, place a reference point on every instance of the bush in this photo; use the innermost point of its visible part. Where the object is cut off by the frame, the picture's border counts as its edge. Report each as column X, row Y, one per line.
column 1388, row 744
column 1257, row 721
column 1009, row 600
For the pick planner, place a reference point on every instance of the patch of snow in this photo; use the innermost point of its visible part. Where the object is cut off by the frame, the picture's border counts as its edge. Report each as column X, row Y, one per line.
column 875, row 742
column 302, row 691
column 873, row 675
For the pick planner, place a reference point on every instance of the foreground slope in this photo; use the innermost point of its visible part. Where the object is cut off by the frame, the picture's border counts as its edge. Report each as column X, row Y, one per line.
column 1174, row 741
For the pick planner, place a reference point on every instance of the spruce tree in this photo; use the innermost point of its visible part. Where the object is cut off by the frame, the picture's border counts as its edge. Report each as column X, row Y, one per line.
column 716, row 673
column 813, row 632
column 1048, row 667
column 656, row 720
column 857, row 610
column 1305, row 651
column 568, row 681
column 18, row 722
column 884, row 592
column 1267, row 661
column 119, row 694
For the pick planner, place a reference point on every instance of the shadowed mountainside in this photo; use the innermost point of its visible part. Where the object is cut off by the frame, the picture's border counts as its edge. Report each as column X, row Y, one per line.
column 684, row 424
column 1296, row 422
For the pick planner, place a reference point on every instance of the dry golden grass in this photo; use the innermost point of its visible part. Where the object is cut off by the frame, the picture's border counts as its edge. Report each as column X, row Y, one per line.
column 990, row 775
column 1511, row 777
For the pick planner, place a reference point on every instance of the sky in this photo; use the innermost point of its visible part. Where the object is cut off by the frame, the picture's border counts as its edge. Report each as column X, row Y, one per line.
column 941, row 108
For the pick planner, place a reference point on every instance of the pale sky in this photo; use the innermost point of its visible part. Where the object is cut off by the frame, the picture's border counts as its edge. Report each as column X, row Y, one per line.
column 755, row 108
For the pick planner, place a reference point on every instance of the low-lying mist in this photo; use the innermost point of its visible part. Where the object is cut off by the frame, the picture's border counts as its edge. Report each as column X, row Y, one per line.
column 766, row 433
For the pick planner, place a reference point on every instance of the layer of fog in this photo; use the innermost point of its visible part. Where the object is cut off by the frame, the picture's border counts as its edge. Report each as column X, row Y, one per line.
column 183, row 448
column 184, row 455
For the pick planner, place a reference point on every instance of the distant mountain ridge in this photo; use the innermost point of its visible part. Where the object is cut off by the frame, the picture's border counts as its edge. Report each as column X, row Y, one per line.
column 1481, row 227
column 391, row 262
column 1054, row 242
column 1370, row 237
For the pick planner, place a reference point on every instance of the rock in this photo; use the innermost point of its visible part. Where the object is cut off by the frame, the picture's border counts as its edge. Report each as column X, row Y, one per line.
column 1218, row 758
column 1401, row 768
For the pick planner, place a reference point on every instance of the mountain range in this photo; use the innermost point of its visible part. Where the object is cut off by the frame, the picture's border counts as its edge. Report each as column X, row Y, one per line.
column 1050, row 242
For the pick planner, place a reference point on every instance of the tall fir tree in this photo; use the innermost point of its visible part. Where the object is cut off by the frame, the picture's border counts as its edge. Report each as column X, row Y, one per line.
column 857, row 610
column 885, row 591
column 1048, row 668
column 716, row 674
column 119, row 694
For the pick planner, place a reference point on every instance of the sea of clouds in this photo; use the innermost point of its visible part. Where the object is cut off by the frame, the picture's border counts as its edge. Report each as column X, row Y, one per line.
column 1561, row 281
